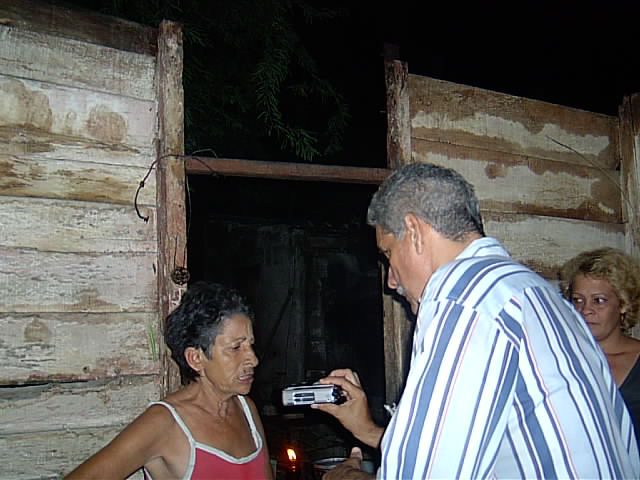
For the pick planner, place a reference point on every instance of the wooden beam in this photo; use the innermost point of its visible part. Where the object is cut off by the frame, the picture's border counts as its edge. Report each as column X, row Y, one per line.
column 397, row 328
column 398, row 113
column 171, row 178
column 283, row 170
column 629, row 114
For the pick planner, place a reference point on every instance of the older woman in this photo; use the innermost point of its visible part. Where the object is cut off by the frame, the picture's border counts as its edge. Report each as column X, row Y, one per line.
column 209, row 428
column 604, row 286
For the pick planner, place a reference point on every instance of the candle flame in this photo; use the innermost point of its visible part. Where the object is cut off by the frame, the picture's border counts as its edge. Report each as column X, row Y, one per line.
column 291, row 453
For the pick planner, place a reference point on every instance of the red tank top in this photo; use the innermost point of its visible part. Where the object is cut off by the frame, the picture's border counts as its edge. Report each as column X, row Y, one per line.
column 209, row 463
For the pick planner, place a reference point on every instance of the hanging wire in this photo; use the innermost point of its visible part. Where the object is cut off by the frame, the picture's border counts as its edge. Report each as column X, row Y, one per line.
column 179, row 274
column 595, row 165
column 141, row 185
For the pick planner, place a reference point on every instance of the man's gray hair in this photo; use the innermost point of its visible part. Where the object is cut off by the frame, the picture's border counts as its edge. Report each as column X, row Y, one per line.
column 438, row 195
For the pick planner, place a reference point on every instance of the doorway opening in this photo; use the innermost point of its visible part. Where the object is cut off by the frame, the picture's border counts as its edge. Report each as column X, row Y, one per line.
column 303, row 255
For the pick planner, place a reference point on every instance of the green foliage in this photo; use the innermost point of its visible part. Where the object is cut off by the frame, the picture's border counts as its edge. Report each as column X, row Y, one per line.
column 252, row 87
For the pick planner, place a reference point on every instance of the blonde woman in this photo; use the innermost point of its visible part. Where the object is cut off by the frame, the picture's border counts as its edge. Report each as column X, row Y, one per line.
column 604, row 286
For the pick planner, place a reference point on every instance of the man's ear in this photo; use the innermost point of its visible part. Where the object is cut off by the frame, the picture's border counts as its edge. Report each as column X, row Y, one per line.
column 413, row 227
column 193, row 356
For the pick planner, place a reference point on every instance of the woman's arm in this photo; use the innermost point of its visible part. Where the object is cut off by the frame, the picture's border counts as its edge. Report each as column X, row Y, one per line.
column 131, row 449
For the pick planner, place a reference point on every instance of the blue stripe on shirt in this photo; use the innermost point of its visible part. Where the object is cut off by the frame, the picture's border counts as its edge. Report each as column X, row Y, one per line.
column 413, row 441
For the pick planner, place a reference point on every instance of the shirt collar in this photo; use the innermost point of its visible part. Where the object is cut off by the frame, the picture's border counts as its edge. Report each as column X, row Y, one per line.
column 482, row 247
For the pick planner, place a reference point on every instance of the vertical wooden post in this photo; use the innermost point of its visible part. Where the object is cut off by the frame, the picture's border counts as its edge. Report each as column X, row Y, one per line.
column 629, row 139
column 171, row 177
column 398, row 114
column 397, row 328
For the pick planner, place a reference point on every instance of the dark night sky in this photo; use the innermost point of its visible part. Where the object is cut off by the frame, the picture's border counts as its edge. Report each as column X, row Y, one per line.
column 580, row 54
column 584, row 54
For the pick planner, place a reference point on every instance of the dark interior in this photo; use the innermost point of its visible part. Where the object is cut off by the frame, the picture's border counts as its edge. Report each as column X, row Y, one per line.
column 307, row 261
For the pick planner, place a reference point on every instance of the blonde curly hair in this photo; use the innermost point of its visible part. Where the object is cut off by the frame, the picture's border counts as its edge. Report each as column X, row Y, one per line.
column 621, row 270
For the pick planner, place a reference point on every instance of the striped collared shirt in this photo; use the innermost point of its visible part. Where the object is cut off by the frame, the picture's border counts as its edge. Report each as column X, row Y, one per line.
column 506, row 381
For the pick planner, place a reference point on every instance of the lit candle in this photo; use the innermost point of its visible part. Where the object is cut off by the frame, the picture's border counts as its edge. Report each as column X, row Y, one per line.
column 293, row 472
column 291, row 453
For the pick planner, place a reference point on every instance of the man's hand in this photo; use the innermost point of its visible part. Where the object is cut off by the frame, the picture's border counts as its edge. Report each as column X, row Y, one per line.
column 350, row 469
column 354, row 413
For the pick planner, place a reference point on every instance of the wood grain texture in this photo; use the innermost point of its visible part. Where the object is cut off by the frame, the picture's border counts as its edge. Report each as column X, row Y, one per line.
column 630, row 169
column 70, row 180
column 284, row 170
column 49, row 347
column 50, row 455
column 396, row 328
column 71, row 226
column 515, row 183
column 453, row 113
column 398, row 332
column 60, row 19
column 32, row 281
column 63, row 61
column 70, row 406
column 79, row 321
column 398, row 113
column 32, row 144
column 545, row 243
column 171, row 179
column 56, row 109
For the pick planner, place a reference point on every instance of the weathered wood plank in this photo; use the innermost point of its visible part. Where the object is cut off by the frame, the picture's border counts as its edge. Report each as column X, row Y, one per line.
column 630, row 170
column 396, row 327
column 74, row 346
column 32, row 281
column 29, row 144
column 513, row 183
column 111, row 119
column 452, row 113
column 36, row 56
column 59, row 19
column 398, row 113
column 304, row 172
column 71, row 406
column 545, row 243
column 69, row 226
column 172, row 217
column 70, row 180
column 398, row 331
column 50, row 455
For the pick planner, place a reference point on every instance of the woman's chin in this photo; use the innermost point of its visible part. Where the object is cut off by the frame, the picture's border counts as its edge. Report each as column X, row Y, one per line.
column 244, row 387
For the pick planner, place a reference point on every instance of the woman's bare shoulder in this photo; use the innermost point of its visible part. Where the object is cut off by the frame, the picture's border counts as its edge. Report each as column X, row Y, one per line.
column 155, row 421
column 159, row 413
column 147, row 437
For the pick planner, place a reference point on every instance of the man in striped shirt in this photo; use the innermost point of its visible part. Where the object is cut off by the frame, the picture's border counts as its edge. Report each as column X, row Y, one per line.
column 505, row 379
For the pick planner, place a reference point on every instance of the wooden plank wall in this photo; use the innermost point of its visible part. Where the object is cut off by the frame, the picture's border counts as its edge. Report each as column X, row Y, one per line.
column 78, row 267
column 547, row 176
column 629, row 113
column 552, row 180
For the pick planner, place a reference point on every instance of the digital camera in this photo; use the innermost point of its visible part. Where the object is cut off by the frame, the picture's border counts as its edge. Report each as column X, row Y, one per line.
column 308, row 394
